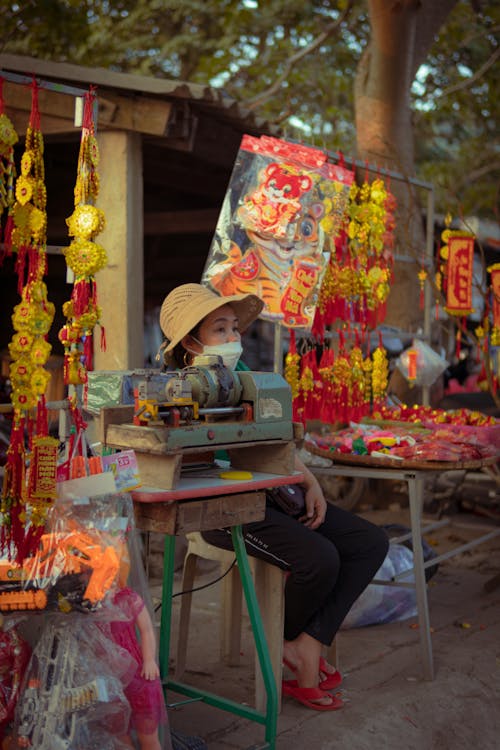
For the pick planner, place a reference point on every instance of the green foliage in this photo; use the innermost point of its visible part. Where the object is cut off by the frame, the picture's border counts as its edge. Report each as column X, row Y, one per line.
column 246, row 46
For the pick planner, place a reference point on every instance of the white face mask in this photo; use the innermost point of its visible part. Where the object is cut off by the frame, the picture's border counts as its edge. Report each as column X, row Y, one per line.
column 230, row 352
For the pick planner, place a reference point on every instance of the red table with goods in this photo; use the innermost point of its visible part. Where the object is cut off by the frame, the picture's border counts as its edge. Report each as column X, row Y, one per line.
column 413, row 453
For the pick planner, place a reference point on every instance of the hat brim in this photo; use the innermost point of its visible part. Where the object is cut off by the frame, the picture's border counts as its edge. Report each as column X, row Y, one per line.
column 246, row 306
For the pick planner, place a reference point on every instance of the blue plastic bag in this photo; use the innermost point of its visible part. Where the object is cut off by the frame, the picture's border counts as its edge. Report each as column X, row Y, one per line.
column 379, row 604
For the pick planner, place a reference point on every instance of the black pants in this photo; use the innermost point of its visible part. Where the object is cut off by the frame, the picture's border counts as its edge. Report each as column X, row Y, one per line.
column 329, row 567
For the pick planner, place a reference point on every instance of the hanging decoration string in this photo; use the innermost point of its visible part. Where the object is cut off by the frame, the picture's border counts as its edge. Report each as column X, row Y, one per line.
column 28, row 494
column 84, row 257
column 8, row 139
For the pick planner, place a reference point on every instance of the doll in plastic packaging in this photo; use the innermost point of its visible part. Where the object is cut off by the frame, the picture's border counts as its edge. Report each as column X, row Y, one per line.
column 144, row 692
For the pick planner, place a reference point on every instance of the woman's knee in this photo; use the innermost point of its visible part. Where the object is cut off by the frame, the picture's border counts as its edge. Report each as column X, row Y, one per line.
column 377, row 544
column 319, row 568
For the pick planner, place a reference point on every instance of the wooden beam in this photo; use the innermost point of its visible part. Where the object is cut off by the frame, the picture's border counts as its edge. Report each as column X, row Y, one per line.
column 137, row 114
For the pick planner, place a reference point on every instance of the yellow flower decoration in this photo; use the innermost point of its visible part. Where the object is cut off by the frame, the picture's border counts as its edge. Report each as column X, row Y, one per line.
column 39, row 380
column 38, row 222
column 42, row 319
column 21, row 343
column 89, row 319
column 24, row 189
column 380, row 374
column 21, row 317
column 292, row 361
column 38, row 291
column 21, row 215
column 40, row 351
column 85, row 258
column 8, row 135
column 85, row 222
column 27, row 162
column 23, row 399
column 21, row 370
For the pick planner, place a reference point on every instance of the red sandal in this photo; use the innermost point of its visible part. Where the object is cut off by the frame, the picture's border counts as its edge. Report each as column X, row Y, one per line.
column 308, row 696
column 331, row 682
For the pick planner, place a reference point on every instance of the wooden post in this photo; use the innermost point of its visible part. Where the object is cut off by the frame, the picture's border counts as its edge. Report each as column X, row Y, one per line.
column 120, row 286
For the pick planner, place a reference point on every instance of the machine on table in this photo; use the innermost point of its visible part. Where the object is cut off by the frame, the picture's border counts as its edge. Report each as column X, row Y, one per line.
column 184, row 416
column 180, row 417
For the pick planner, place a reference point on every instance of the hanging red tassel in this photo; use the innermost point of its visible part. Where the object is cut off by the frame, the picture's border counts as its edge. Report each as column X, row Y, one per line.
column 88, row 350
column 458, row 343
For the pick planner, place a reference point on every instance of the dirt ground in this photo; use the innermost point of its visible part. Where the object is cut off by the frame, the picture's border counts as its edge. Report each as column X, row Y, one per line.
column 388, row 704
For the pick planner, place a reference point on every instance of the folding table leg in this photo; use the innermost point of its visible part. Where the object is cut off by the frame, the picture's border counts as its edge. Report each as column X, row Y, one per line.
column 166, row 603
column 271, row 715
column 416, row 498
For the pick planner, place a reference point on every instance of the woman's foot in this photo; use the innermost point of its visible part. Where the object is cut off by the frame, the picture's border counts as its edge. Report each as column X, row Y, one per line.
column 328, row 678
column 302, row 656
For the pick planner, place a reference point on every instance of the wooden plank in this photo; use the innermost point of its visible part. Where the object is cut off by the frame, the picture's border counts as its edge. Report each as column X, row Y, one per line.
column 163, row 472
column 160, row 517
column 18, row 96
column 298, row 431
column 112, row 415
column 79, row 75
column 126, row 435
column 274, row 459
column 200, row 515
column 139, row 114
column 229, row 510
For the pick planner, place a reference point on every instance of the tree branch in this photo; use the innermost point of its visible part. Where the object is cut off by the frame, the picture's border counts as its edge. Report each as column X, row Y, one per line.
column 476, row 174
column 465, row 84
column 261, row 98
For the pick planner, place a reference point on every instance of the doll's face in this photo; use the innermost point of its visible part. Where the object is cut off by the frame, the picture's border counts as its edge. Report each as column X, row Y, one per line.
column 219, row 327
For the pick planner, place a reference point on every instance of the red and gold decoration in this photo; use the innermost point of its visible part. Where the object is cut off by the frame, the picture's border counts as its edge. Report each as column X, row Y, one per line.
column 84, row 257
column 8, row 139
column 454, row 276
column 459, row 270
column 352, row 301
column 357, row 281
column 28, row 494
column 494, row 272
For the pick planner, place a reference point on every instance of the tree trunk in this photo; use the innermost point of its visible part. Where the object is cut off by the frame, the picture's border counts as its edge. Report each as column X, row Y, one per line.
column 402, row 33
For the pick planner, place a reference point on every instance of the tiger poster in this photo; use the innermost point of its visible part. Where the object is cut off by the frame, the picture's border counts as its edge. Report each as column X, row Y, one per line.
column 283, row 208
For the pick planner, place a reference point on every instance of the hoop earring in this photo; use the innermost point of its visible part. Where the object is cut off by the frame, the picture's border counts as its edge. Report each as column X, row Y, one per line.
column 186, row 359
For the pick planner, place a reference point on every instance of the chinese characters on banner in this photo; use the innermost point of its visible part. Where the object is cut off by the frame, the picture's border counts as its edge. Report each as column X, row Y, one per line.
column 282, row 211
column 459, row 272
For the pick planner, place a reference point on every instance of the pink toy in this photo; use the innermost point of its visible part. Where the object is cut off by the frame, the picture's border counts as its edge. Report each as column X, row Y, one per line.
column 144, row 692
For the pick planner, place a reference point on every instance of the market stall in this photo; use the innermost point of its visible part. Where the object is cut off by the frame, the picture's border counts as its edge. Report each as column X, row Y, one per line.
column 297, row 228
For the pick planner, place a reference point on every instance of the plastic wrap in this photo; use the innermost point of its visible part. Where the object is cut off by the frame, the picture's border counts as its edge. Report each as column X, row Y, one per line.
column 77, row 563
column 379, row 604
column 72, row 695
column 127, row 620
column 15, row 652
column 108, row 388
column 428, row 364
column 284, row 206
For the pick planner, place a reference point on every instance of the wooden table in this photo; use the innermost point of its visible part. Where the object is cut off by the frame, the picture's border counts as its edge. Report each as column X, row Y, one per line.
column 414, row 473
column 199, row 504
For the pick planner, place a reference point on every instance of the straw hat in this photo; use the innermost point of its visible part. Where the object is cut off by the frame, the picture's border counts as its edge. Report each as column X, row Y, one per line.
column 188, row 304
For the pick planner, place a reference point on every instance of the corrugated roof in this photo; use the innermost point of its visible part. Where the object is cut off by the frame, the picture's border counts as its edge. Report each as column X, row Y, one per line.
column 127, row 83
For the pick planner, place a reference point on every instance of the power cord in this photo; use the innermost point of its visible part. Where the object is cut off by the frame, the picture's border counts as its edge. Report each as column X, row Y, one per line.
column 200, row 588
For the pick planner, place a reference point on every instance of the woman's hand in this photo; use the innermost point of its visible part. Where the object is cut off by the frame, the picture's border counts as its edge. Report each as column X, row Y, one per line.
column 315, row 500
